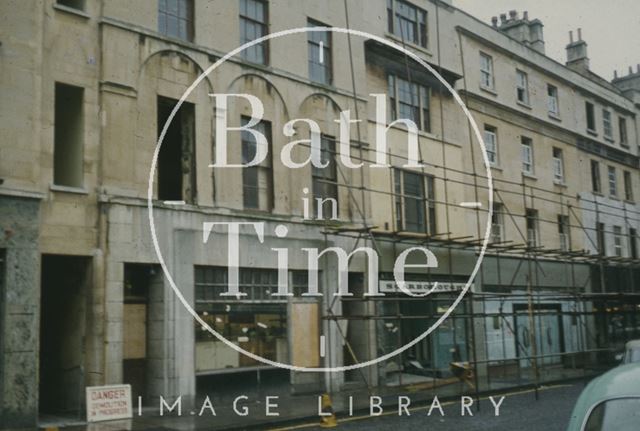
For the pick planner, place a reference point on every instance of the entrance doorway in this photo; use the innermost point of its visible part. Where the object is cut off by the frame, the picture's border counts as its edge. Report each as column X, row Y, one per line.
column 548, row 333
column 63, row 307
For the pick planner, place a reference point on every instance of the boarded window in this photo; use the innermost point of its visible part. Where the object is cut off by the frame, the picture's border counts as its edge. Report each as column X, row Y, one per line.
column 68, row 149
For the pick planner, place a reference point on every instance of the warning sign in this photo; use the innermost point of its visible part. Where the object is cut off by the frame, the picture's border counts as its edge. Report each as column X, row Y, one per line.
column 105, row 403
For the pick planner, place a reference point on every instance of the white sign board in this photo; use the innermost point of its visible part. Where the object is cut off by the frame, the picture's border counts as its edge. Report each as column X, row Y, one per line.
column 105, row 403
column 421, row 287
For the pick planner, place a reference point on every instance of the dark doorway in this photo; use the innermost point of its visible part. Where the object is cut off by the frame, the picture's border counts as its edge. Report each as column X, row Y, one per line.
column 137, row 279
column 176, row 160
column 63, row 305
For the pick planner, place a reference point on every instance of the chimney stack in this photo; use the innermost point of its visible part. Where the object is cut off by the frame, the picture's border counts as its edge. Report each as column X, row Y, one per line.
column 521, row 29
column 577, row 58
column 494, row 21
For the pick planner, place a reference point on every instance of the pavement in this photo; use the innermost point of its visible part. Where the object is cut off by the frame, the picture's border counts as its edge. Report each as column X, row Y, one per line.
column 519, row 410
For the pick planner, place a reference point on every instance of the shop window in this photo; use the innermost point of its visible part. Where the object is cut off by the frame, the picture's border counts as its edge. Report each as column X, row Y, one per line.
column 257, row 181
column 175, row 18
column 325, row 180
column 176, row 161
column 68, row 151
column 254, row 25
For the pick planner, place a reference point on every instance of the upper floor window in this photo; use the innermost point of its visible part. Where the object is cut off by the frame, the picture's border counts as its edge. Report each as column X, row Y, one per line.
column 628, row 187
column 407, row 22
column 257, row 181
column 553, row 104
column 531, row 217
column 613, row 181
column 175, row 18
column 319, row 43
column 564, row 232
column 527, row 155
column 558, row 165
column 633, row 243
column 491, row 143
column 622, row 126
column 74, row 4
column 522, row 87
column 409, row 101
column 68, row 141
column 415, row 202
column 595, row 177
column 325, row 180
column 591, row 116
column 486, row 71
column 607, row 127
column 253, row 25
column 617, row 241
column 600, row 239
column 497, row 223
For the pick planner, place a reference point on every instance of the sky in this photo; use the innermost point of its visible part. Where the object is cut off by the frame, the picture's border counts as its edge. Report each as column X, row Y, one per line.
column 611, row 28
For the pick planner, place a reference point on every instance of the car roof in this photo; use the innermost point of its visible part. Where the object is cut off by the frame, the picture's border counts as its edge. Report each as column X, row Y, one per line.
column 620, row 382
column 633, row 344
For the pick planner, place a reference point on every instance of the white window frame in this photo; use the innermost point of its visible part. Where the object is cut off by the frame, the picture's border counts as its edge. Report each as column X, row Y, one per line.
column 522, row 85
column 617, row 241
column 558, row 166
column 607, row 125
column 553, row 102
column 612, row 177
column 486, row 71
column 491, row 144
column 526, row 155
column 497, row 223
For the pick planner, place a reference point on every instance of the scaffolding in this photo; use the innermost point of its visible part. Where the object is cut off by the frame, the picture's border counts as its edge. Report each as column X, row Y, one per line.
column 600, row 319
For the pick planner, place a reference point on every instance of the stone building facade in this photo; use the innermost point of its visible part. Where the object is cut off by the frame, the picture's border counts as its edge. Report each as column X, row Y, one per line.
column 88, row 87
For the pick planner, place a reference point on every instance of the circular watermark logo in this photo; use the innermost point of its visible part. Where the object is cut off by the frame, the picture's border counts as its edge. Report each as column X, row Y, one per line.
column 188, row 306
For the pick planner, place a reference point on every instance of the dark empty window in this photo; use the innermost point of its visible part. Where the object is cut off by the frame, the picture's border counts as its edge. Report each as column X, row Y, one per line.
column 600, row 238
column 628, row 187
column 74, row 4
column 622, row 127
column 253, row 25
column 415, row 202
column 68, row 151
column 591, row 116
column 325, row 180
column 595, row 177
column 407, row 22
column 531, row 216
column 257, row 181
column 176, row 160
column 319, row 54
column 175, row 18
column 633, row 243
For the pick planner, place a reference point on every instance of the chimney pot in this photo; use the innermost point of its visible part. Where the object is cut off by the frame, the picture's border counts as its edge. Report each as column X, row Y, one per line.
column 570, row 36
column 638, row 67
column 580, row 34
column 525, row 15
column 513, row 14
column 494, row 21
column 503, row 18
column 630, row 70
column 615, row 74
